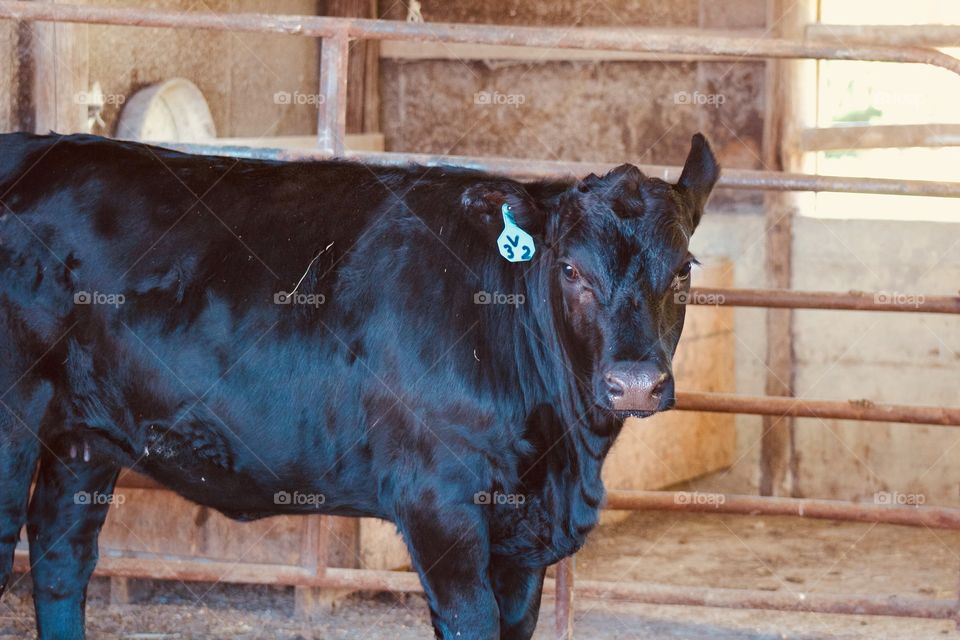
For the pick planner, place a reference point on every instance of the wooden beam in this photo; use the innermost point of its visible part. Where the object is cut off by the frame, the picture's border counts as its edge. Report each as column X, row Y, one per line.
column 362, row 68
column 880, row 136
column 61, row 75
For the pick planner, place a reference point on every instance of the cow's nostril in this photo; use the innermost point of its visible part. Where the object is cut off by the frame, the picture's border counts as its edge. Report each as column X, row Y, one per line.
column 660, row 385
column 615, row 386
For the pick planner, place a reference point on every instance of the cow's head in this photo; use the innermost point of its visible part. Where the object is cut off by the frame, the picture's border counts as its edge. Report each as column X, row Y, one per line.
column 622, row 265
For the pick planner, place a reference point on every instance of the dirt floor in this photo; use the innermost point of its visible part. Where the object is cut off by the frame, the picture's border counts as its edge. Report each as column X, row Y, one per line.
column 776, row 554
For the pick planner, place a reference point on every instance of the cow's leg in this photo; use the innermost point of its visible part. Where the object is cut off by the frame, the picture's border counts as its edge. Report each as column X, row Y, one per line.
column 518, row 591
column 19, row 449
column 451, row 553
column 68, row 507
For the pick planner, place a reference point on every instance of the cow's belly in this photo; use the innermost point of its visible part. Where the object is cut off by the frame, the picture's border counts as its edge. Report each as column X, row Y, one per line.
column 237, row 425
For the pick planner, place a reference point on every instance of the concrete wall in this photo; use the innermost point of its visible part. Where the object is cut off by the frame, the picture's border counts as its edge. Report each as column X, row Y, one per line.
column 888, row 357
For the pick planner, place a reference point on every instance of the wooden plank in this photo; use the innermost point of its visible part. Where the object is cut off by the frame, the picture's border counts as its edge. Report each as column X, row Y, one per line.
column 880, row 136
column 371, row 81
column 332, row 121
column 357, row 63
column 61, row 76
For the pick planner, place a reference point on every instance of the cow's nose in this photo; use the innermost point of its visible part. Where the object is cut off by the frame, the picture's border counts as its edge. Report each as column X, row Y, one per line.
column 638, row 386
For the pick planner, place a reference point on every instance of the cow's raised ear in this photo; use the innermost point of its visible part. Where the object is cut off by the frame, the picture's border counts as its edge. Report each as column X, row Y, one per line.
column 483, row 205
column 700, row 173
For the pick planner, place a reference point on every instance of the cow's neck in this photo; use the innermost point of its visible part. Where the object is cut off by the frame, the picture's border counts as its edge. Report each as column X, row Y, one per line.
column 570, row 434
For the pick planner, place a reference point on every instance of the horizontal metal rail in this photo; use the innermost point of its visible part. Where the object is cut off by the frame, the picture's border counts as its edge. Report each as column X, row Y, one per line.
column 862, row 410
column 848, row 301
column 889, row 136
column 139, row 565
column 529, row 169
column 656, row 40
column 911, row 35
column 700, row 502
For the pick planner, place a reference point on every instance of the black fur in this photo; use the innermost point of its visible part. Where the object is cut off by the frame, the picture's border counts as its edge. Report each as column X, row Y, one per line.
column 382, row 389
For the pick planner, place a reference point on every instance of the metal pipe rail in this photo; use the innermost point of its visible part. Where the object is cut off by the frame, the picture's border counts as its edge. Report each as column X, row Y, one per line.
column 636, row 39
column 790, row 407
column 524, row 169
column 700, row 502
column 139, row 565
column 848, row 301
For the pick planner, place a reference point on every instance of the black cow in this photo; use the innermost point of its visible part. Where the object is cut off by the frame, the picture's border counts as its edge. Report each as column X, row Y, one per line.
column 327, row 337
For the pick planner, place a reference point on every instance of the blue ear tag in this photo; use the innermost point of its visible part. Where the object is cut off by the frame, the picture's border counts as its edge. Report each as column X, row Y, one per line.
column 515, row 244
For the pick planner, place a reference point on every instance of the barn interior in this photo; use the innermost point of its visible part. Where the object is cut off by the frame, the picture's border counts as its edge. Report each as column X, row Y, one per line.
column 860, row 511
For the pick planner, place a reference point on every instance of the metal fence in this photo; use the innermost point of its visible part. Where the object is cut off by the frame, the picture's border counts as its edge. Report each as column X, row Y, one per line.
column 336, row 34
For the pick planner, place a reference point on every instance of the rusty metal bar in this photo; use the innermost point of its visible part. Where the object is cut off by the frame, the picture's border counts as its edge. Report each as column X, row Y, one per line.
column 699, row 502
column 849, row 301
column 524, row 169
column 657, row 40
column 332, row 123
column 911, row 35
column 194, row 569
column 864, row 410
column 889, row 136
column 563, row 611
column 802, row 602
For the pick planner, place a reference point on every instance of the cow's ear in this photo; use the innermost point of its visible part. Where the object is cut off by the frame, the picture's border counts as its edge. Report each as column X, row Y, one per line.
column 483, row 206
column 700, row 173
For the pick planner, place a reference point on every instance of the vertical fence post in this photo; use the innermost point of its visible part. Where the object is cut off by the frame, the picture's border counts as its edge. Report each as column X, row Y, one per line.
column 332, row 124
column 313, row 557
column 564, row 606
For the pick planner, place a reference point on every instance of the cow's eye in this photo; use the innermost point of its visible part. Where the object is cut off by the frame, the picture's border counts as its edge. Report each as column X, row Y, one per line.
column 681, row 276
column 570, row 272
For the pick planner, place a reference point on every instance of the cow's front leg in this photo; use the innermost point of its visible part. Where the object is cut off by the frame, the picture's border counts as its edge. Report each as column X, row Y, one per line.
column 70, row 502
column 450, row 550
column 518, row 591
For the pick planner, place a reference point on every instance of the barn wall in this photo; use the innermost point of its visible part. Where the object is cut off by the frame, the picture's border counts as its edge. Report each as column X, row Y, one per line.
column 10, row 64
column 238, row 73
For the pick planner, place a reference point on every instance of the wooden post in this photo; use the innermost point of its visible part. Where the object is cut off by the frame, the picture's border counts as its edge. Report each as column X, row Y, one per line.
column 563, row 625
column 332, row 124
column 363, row 69
column 790, row 106
column 61, row 76
column 119, row 590
column 328, row 541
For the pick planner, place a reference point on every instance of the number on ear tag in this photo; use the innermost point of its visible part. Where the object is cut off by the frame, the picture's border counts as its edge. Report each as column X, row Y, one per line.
column 515, row 244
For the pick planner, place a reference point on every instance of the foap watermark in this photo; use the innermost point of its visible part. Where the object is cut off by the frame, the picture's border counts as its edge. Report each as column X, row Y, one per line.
column 297, row 98
column 99, row 99
column 699, row 99
column 307, row 299
column 698, row 297
column 899, row 299
column 298, row 499
column 495, row 297
column 497, row 99
column 98, row 298
column 695, row 497
column 895, row 498
column 97, row 498
column 497, row 498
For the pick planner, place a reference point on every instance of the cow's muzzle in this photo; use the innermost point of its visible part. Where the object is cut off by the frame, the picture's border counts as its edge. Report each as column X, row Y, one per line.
column 640, row 388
